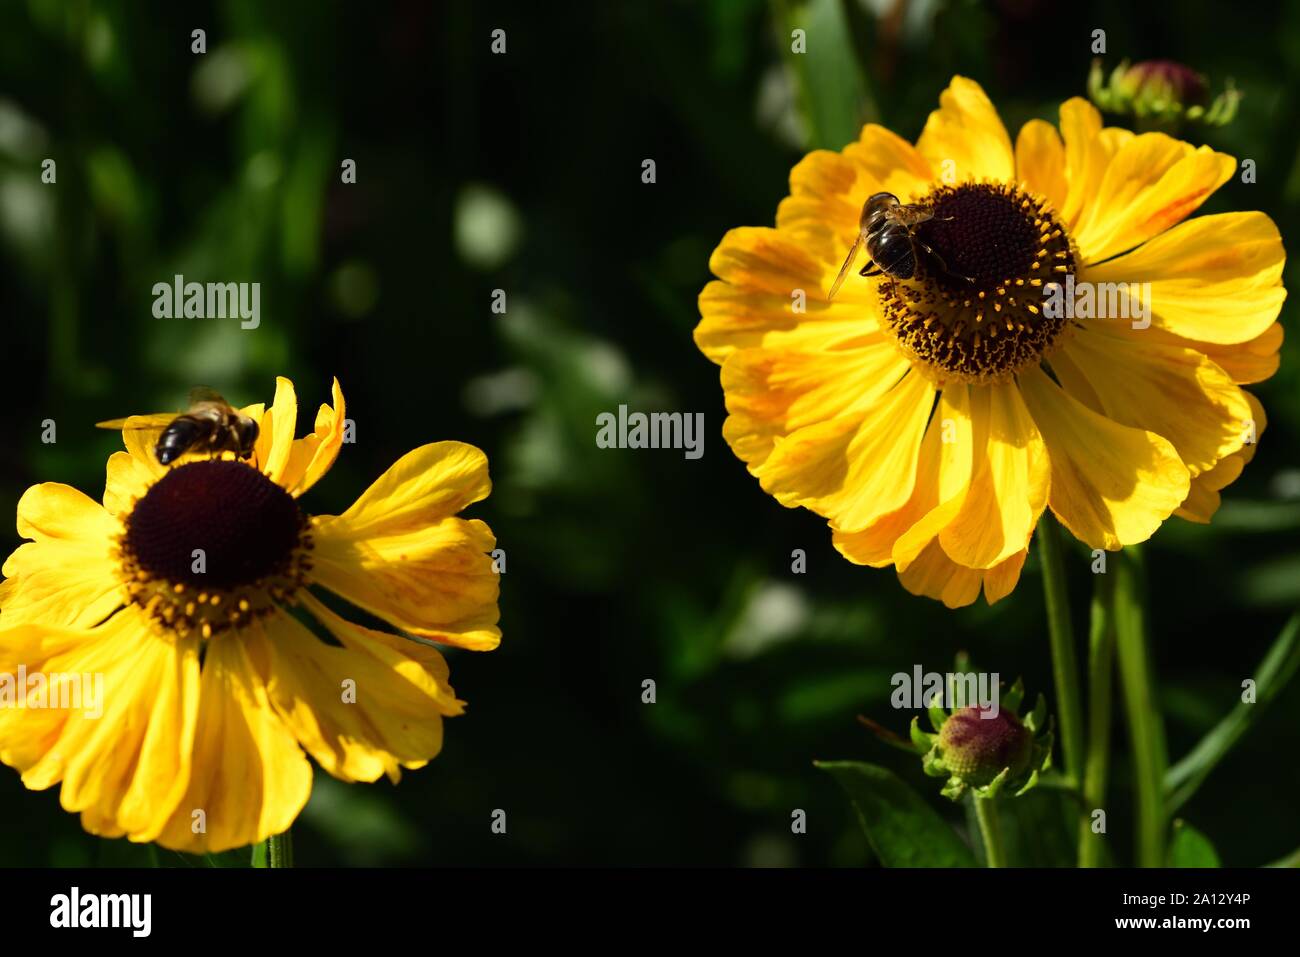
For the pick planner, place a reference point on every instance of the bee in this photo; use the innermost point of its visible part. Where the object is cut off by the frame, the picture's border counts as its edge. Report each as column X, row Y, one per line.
column 211, row 425
column 888, row 228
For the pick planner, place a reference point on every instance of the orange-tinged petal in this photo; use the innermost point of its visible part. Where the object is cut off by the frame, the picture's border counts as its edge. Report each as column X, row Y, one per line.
column 772, row 393
column 1151, row 182
column 1214, row 278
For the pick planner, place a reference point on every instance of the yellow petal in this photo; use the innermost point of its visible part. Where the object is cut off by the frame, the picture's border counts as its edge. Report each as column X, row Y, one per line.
column 1088, row 152
column 125, row 768
column 1203, row 499
column 362, row 710
column 275, row 433
column 1247, row 362
column 1040, row 161
column 312, row 456
column 891, row 165
column 127, row 479
column 250, row 779
column 735, row 317
column 935, row 575
column 942, row 474
column 1008, row 490
column 1151, row 183
column 399, row 553
column 1213, row 278
column 857, row 467
column 771, row 393
column 1175, row 392
column 1111, row 485
column 958, row 421
column 965, row 137
column 1000, row 580
column 66, row 575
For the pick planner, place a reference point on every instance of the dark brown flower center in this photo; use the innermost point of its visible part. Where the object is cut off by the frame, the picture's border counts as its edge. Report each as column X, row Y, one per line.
column 973, row 312
column 212, row 544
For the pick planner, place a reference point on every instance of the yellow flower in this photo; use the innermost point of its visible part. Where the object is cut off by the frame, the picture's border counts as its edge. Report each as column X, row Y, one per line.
column 189, row 592
column 931, row 420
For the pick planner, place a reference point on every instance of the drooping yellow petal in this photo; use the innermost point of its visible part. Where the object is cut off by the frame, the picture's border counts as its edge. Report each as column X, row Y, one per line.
column 964, row 139
column 122, row 745
column 1203, row 498
column 857, row 467
column 249, row 778
column 1008, row 490
column 935, row 575
column 1174, row 392
column 942, row 473
column 1247, row 362
column 362, row 710
column 1111, row 485
column 1040, row 162
column 66, row 575
column 1213, row 278
column 399, row 553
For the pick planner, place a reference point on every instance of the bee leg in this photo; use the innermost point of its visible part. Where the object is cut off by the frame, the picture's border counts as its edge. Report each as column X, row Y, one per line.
column 939, row 259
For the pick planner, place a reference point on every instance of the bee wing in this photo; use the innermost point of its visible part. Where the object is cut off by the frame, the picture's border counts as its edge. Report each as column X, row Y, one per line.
column 203, row 393
column 913, row 214
column 158, row 420
column 844, row 270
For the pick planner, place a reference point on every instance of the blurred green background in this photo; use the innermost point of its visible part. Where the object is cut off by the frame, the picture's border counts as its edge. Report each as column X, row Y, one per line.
column 522, row 172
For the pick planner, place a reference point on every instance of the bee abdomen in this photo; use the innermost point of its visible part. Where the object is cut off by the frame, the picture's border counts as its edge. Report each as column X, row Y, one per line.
column 180, row 435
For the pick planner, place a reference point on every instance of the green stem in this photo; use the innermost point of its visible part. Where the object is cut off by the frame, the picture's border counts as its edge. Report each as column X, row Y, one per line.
column 1146, row 729
column 1096, row 766
column 1065, row 669
column 986, row 813
column 279, row 850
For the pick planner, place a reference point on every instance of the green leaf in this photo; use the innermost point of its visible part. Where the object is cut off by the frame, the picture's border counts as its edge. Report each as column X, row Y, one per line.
column 923, row 742
column 1271, row 677
column 1012, row 697
column 902, row 829
column 1190, row 848
column 832, row 87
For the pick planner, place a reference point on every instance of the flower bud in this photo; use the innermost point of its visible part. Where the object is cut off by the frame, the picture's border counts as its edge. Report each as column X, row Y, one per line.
column 1161, row 90
column 978, row 746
